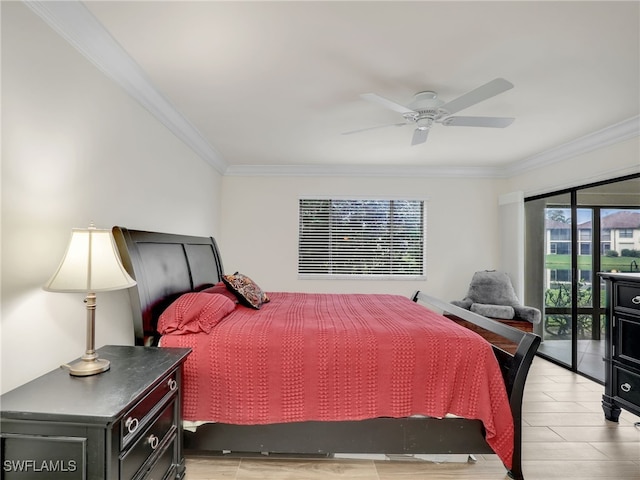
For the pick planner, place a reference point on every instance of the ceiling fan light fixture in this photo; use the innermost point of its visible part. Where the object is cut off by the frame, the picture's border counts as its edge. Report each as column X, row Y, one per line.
column 424, row 123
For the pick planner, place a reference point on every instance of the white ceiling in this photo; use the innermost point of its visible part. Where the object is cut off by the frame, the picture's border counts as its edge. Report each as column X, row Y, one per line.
column 276, row 83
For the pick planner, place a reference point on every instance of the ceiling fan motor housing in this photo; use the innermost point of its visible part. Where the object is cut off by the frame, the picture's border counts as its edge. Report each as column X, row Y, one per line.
column 426, row 109
column 426, row 100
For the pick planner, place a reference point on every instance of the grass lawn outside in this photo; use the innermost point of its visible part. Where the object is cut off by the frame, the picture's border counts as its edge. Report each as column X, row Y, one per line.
column 558, row 326
column 620, row 264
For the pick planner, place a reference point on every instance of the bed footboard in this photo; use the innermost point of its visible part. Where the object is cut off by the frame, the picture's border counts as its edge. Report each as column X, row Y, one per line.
column 514, row 367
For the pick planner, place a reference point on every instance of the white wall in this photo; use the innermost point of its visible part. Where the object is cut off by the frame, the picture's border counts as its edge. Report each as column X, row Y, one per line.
column 260, row 230
column 511, row 214
column 76, row 149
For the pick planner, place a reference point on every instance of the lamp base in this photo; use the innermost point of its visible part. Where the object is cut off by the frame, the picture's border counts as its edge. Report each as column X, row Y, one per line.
column 87, row 366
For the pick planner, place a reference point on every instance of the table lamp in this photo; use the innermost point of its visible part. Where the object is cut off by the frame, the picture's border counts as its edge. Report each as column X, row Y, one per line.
column 91, row 264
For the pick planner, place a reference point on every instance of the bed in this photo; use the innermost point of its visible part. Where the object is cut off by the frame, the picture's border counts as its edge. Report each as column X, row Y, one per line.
column 432, row 395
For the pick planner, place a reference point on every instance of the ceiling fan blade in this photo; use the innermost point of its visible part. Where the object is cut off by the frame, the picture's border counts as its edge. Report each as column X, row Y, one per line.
column 373, row 128
column 419, row 136
column 396, row 107
column 488, row 90
column 491, row 122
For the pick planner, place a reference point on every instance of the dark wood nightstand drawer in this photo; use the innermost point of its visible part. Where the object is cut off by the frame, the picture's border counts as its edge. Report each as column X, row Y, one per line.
column 149, row 442
column 163, row 465
column 136, row 419
column 627, row 385
column 628, row 297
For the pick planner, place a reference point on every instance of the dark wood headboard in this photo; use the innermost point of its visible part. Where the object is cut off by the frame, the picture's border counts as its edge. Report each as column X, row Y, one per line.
column 164, row 266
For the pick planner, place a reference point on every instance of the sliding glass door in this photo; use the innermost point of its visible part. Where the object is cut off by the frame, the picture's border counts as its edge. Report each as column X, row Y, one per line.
column 571, row 236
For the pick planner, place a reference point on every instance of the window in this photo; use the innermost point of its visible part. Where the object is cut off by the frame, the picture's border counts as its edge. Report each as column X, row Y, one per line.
column 584, row 235
column 561, row 233
column 563, row 276
column 626, row 233
column 361, row 238
column 560, row 248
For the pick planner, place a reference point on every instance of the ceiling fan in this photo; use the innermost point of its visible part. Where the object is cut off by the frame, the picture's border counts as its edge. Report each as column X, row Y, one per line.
column 427, row 109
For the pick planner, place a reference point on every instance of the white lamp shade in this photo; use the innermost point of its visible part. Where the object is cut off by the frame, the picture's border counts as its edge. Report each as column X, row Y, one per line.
column 90, row 264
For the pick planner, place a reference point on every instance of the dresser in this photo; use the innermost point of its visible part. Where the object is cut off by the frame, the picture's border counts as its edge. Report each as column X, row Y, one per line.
column 122, row 424
column 622, row 347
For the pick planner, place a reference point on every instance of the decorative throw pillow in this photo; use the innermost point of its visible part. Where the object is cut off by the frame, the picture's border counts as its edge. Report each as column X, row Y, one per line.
column 247, row 291
column 492, row 287
column 505, row 312
column 530, row 314
column 221, row 289
column 194, row 312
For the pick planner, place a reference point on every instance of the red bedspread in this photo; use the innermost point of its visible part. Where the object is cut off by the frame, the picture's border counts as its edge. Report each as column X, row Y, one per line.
column 342, row 357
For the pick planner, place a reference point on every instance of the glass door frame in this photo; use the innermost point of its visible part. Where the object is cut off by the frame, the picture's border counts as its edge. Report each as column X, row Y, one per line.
column 596, row 310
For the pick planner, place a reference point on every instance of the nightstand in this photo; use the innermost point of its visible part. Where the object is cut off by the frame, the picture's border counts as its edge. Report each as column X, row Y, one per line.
column 122, row 424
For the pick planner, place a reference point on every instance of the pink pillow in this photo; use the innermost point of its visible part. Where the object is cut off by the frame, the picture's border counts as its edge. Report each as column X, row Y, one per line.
column 221, row 289
column 194, row 313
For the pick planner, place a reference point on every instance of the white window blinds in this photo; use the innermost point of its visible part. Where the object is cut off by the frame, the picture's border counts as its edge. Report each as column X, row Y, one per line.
column 361, row 237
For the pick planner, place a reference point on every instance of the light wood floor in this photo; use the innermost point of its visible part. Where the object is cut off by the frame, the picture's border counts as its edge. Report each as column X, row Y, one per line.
column 565, row 437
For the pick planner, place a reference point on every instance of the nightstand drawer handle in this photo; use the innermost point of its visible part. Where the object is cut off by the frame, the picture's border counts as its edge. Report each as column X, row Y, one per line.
column 173, row 384
column 625, row 387
column 131, row 424
column 636, row 300
column 153, row 441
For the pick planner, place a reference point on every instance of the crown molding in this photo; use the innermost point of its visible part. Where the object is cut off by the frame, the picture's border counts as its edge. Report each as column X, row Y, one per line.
column 361, row 171
column 616, row 133
column 613, row 134
column 76, row 24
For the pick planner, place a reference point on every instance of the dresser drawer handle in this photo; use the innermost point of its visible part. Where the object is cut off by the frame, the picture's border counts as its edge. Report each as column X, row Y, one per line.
column 636, row 300
column 131, row 424
column 625, row 387
column 173, row 384
column 153, row 441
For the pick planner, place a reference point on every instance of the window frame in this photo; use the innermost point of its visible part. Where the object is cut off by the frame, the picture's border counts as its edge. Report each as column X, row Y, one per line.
column 364, row 276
